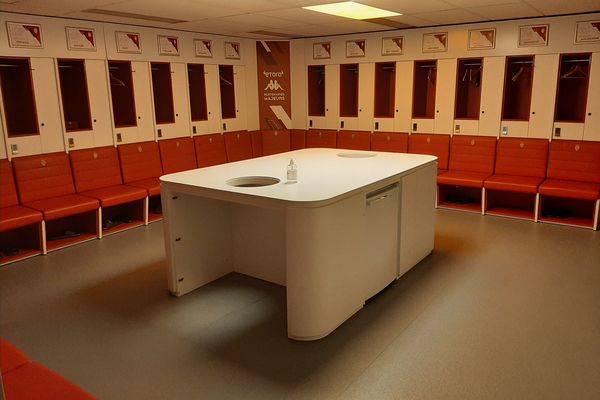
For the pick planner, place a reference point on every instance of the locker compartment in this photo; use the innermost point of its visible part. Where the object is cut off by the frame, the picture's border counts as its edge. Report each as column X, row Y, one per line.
column 162, row 90
column 197, row 90
column 227, row 86
column 573, row 80
column 424, row 85
column 349, row 90
column 121, row 91
column 468, row 88
column 74, row 95
column 18, row 97
column 518, row 80
column 385, row 94
column 316, row 90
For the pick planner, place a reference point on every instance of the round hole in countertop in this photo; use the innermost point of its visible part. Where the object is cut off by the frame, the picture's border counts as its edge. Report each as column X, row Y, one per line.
column 356, row 155
column 252, row 181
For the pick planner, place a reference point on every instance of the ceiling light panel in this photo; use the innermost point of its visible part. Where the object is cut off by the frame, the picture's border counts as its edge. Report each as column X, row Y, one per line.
column 350, row 9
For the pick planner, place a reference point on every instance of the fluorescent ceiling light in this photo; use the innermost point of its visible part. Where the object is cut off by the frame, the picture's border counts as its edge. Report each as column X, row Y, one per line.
column 350, row 9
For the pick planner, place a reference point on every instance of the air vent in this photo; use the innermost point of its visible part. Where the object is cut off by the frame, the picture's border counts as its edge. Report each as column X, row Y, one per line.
column 134, row 15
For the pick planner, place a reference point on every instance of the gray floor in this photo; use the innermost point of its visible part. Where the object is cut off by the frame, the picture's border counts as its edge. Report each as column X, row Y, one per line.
column 503, row 309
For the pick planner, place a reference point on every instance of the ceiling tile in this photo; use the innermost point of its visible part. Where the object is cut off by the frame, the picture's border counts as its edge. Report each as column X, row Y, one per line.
column 260, row 20
column 553, row 7
column 457, row 16
column 300, row 14
column 53, row 7
column 241, row 6
column 412, row 20
column 409, row 6
column 179, row 9
column 469, row 4
column 507, row 11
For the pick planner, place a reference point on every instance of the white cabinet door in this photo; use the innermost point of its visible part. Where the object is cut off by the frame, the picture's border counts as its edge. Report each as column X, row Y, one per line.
column 180, row 127
column 591, row 129
column 492, row 85
column 366, row 96
column 445, row 89
column 213, row 103
column 239, row 82
column 543, row 96
column 332, row 97
column 404, row 93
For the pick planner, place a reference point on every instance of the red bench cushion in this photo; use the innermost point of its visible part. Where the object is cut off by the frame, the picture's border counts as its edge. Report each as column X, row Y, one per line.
column 8, row 190
column 177, row 155
column 95, row 168
column 43, row 176
column 257, row 143
column 435, row 145
column 11, row 357
column 151, row 185
column 14, row 217
column 238, row 145
column 33, row 381
column 210, row 150
column 463, row 178
column 389, row 141
column 522, row 157
column 64, row 206
column 297, row 139
column 139, row 161
column 354, row 140
column 118, row 194
column 574, row 160
column 570, row 189
column 513, row 183
column 472, row 154
column 274, row 142
column 321, row 138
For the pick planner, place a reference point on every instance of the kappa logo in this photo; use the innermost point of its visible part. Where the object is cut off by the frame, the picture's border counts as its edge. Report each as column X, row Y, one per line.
column 273, row 85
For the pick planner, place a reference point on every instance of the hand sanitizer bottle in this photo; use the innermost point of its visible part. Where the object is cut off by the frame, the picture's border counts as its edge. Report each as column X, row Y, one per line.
column 292, row 171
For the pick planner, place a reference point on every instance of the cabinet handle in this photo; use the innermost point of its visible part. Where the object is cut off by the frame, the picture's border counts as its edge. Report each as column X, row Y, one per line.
column 139, row 117
column 437, row 111
column 42, row 124
column 376, row 199
column 589, row 114
column 483, row 112
column 177, row 115
column 94, row 121
column 533, row 113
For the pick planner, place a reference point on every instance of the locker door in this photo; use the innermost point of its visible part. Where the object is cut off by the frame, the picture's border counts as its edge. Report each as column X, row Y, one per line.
column 444, row 96
column 213, row 103
column 591, row 129
column 366, row 96
column 403, row 111
column 332, row 94
column 239, row 121
column 491, row 95
column 99, row 96
column 180, row 126
column 543, row 96
column 142, row 89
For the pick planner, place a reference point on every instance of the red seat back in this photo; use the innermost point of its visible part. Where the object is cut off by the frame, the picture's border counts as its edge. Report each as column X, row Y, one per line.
column 210, row 150
column 522, row 157
column 389, row 141
column 95, row 168
column 354, row 140
column 8, row 190
column 238, row 145
column 139, row 161
column 472, row 154
column 435, row 145
column 10, row 356
column 321, row 138
column 177, row 155
column 257, row 143
column 574, row 160
column 297, row 139
column 274, row 142
column 43, row 176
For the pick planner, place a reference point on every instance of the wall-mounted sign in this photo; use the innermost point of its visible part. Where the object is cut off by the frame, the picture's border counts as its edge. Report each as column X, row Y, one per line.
column 587, row 32
column 274, row 85
column 24, row 35
column 392, row 45
column 533, row 35
column 202, row 48
column 168, row 45
column 434, row 42
column 81, row 38
column 232, row 50
column 482, row 39
column 128, row 42
column 355, row 48
column 321, row 50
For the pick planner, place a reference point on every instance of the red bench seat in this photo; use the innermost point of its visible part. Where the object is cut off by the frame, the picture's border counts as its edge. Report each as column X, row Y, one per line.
column 321, row 138
column 570, row 189
column 389, row 141
column 177, row 155
column 463, row 178
column 210, row 150
column 238, row 145
column 151, row 185
column 434, row 145
column 11, row 357
column 14, row 217
column 513, row 183
column 115, row 195
column 64, row 206
column 274, row 142
column 354, row 140
column 141, row 166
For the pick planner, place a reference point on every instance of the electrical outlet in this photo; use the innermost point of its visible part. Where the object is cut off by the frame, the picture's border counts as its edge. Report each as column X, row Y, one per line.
column 505, row 130
column 415, row 127
column 342, row 124
column 119, row 138
column 376, row 125
column 310, row 123
column 71, row 142
column 159, row 133
column 194, row 129
column 556, row 132
column 14, row 149
column 456, row 128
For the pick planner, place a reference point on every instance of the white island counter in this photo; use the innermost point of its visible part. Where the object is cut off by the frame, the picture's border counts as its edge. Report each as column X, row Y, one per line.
column 352, row 223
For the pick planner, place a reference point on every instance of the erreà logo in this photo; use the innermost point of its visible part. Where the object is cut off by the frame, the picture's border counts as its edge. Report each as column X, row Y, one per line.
column 273, row 85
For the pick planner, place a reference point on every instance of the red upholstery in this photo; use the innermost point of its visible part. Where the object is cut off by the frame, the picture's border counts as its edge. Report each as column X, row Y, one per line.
column 435, row 145
column 297, row 139
column 177, row 155
column 573, row 160
column 321, row 138
column 522, row 157
column 95, row 168
column 462, row 178
column 390, row 141
column 119, row 194
column 472, row 154
column 238, row 145
column 257, row 143
column 43, row 176
column 8, row 190
column 274, row 142
column 10, row 357
column 354, row 140
column 152, row 185
column 14, row 217
column 210, row 150
column 139, row 161
column 570, row 189
column 63, row 206
column 33, row 381
column 513, row 183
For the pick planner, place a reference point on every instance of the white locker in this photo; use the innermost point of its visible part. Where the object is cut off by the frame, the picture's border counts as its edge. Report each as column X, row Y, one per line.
column 332, row 94
column 354, row 71
column 366, row 96
column 3, row 151
column 45, row 88
column 239, row 82
column 543, row 96
column 591, row 130
column 404, row 86
column 213, row 103
column 492, row 85
column 445, row 89
column 180, row 127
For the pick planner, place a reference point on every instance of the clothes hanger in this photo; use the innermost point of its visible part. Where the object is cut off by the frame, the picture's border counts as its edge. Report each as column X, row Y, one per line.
column 575, row 69
column 518, row 74
column 225, row 80
column 114, row 81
